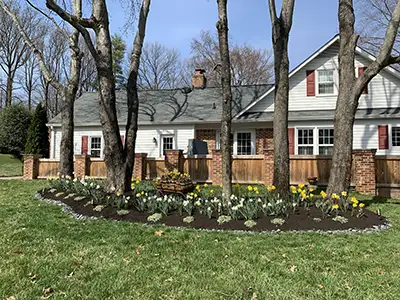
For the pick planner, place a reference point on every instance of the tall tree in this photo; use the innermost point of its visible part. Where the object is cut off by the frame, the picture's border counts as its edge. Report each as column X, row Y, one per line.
column 249, row 65
column 350, row 89
column 29, row 79
column 68, row 91
column 226, row 118
column 118, row 57
column 38, row 137
column 281, row 27
column 160, row 68
column 119, row 160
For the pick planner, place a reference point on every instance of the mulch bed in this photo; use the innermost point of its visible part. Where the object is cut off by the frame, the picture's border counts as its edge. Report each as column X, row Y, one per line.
column 300, row 221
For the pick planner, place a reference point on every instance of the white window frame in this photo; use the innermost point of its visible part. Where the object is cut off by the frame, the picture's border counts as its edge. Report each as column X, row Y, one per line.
column 235, row 138
column 297, row 145
column 162, row 136
column 315, row 138
column 318, row 82
column 90, row 144
column 323, row 145
column 391, row 136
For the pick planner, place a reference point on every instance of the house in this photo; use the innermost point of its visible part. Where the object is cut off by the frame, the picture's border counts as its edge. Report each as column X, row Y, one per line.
column 170, row 118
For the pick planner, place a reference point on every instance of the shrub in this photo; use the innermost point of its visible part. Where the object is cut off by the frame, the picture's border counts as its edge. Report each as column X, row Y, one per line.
column 14, row 123
column 38, row 138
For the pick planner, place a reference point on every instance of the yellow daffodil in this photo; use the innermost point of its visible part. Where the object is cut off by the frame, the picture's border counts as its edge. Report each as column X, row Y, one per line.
column 301, row 185
column 118, row 194
column 255, row 188
column 205, row 185
column 137, row 181
column 344, row 194
column 323, row 194
column 354, row 204
column 362, row 205
column 142, row 192
column 311, row 195
column 335, row 206
column 211, row 191
column 354, row 200
column 250, row 188
column 335, row 196
column 273, row 188
column 220, row 185
column 311, row 189
column 257, row 192
column 299, row 190
column 195, row 195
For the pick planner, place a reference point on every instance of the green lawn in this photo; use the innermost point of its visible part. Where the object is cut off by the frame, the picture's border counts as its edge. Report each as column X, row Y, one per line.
column 42, row 247
column 10, row 166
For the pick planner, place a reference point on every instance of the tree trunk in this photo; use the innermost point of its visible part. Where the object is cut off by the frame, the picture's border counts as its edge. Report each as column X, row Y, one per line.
column 280, row 38
column 132, row 94
column 226, row 118
column 67, row 135
column 9, row 89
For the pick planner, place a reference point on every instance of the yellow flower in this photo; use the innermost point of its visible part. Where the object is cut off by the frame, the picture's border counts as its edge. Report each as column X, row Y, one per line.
column 137, row 181
column 323, row 194
column 311, row 189
column 142, row 192
column 273, row 188
column 257, row 192
column 362, row 205
column 211, row 191
column 354, row 200
column 335, row 196
column 205, row 185
column 132, row 186
column 250, row 188
column 335, row 206
column 311, row 195
column 301, row 185
column 355, row 204
column 118, row 194
column 344, row 194
column 195, row 195
column 294, row 191
column 299, row 190
column 220, row 185
column 255, row 188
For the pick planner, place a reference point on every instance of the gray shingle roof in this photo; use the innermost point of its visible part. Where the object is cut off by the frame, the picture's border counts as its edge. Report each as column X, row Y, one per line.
column 165, row 106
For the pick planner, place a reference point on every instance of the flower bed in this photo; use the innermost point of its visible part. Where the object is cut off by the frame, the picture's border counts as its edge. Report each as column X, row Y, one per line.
column 252, row 207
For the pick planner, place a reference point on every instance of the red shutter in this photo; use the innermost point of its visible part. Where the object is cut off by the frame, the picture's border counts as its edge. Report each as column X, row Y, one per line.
column 360, row 72
column 123, row 139
column 291, row 140
column 310, row 83
column 84, row 144
column 383, row 136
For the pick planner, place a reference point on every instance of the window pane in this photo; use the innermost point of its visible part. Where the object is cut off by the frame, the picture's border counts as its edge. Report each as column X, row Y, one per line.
column 325, row 82
column 326, row 150
column 305, row 150
column 396, row 136
column 95, row 146
column 243, row 146
column 168, row 143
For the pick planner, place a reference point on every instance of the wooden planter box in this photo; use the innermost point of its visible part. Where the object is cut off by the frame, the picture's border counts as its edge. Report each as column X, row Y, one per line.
column 175, row 188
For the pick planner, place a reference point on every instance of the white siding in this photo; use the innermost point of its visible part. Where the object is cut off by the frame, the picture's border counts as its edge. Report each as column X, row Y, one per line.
column 365, row 134
column 383, row 90
column 144, row 142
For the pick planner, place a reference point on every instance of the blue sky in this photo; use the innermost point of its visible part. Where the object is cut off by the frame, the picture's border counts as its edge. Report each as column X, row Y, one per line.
column 175, row 22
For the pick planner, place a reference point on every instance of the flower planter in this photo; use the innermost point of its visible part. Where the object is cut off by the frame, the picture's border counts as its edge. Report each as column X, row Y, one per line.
column 312, row 180
column 168, row 187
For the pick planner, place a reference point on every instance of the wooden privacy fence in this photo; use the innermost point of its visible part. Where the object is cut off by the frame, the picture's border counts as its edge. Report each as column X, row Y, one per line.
column 370, row 173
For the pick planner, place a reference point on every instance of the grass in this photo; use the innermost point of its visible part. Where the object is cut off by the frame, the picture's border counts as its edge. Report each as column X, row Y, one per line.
column 10, row 166
column 42, row 247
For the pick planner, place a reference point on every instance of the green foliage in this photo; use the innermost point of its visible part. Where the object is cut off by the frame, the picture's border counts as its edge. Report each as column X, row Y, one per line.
column 118, row 56
column 38, row 138
column 14, row 124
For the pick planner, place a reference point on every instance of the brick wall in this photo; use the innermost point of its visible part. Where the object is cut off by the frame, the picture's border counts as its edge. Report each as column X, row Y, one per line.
column 31, row 166
column 209, row 136
column 82, row 166
column 174, row 160
column 216, row 175
column 264, row 140
column 139, row 169
column 268, row 166
column 365, row 171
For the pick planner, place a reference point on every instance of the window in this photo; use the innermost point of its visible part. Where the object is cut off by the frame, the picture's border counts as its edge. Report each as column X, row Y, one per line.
column 325, row 82
column 396, row 136
column 95, row 146
column 305, row 141
column 244, row 143
column 167, row 143
column 325, row 141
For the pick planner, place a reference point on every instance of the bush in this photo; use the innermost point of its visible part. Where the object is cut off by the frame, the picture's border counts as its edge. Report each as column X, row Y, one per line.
column 14, row 124
column 38, row 138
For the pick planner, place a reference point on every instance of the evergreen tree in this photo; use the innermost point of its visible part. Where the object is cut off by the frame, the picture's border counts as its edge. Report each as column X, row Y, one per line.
column 38, row 137
column 14, row 124
column 118, row 57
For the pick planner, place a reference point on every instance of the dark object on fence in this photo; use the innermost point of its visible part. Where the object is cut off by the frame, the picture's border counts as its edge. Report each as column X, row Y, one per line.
column 197, row 147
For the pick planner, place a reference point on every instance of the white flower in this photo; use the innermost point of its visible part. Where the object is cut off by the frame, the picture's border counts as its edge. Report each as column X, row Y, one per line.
column 97, row 187
column 294, row 204
column 264, row 205
column 197, row 203
column 209, row 208
column 269, row 204
column 138, row 195
column 91, row 184
column 185, row 203
column 251, row 200
column 232, row 196
column 235, row 208
column 229, row 203
column 259, row 200
column 112, row 188
column 75, row 179
column 128, row 198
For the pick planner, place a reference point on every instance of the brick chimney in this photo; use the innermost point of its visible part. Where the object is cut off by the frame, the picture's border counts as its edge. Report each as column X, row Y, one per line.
column 199, row 80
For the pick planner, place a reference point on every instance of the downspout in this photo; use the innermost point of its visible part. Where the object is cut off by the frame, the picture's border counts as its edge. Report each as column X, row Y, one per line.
column 52, row 146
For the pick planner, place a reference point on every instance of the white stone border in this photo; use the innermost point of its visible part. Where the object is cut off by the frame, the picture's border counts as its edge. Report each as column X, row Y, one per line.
column 68, row 210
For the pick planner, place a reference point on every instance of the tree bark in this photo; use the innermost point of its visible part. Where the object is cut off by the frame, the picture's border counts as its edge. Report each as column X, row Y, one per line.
column 9, row 88
column 132, row 94
column 350, row 90
column 226, row 118
column 281, row 27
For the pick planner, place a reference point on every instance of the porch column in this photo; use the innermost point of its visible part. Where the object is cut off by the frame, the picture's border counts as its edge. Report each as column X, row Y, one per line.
column 174, row 160
column 139, row 170
column 31, row 166
column 216, row 176
column 82, row 166
column 269, row 166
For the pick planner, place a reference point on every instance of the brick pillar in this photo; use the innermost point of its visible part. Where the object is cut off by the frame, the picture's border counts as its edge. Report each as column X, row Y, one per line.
column 139, row 169
column 174, row 160
column 268, row 166
column 82, row 166
column 209, row 136
column 216, row 176
column 365, row 171
column 264, row 139
column 31, row 166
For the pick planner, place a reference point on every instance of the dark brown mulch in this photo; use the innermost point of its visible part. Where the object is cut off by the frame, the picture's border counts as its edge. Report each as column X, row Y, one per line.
column 301, row 220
